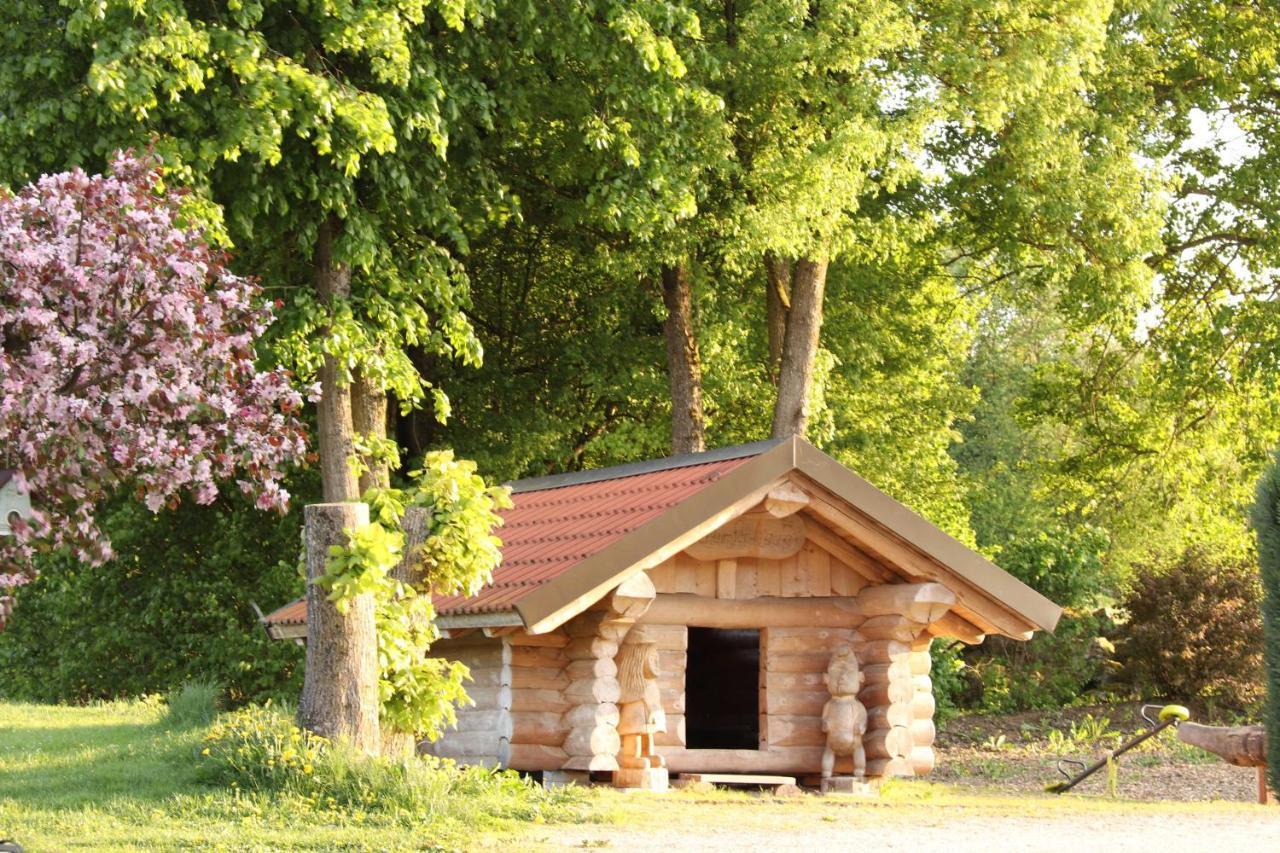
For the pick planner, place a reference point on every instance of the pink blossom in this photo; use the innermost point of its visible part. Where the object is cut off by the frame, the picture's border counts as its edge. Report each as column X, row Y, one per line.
column 126, row 361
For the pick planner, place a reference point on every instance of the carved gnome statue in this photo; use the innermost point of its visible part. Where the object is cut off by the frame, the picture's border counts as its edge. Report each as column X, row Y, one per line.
column 844, row 719
column 640, row 713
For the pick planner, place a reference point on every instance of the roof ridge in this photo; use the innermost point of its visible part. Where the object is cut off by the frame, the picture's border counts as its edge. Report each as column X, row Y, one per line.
column 667, row 463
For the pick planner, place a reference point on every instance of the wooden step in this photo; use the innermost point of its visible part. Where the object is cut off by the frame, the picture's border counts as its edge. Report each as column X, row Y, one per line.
column 736, row 779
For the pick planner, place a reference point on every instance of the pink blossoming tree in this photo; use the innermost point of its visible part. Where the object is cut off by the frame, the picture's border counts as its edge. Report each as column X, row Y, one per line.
column 126, row 362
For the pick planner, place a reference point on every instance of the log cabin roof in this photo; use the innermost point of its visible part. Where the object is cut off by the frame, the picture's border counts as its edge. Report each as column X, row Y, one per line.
column 569, row 539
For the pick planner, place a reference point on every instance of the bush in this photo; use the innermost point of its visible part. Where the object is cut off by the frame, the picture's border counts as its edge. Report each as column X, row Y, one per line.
column 174, row 605
column 1194, row 631
column 261, row 749
column 193, row 704
column 1266, row 522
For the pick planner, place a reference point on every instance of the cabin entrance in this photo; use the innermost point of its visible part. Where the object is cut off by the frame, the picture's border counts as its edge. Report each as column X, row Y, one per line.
column 722, row 689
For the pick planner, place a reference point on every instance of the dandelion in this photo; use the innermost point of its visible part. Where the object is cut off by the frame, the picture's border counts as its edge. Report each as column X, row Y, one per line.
column 306, row 768
column 204, row 751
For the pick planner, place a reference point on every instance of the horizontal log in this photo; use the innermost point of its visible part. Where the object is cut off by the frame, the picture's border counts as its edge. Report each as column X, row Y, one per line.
column 539, row 727
column 919, row 602
column 890, row 628
column 785, row 681
column 922, row 706
column 673, row 699
column 490, row 697
column 592, row 740
column 884, row 651
column 495, row 720
column 922, row 760
column 768, row 612
column 489, row 677
column 592, row 714
column 455, row 743
column 534, row 756
column 790, row 730
column 545, row 678
column 922, row 683
column 537, row 657
column 921, row 663
column 887, row 716
column 800, row 703
column 668, row 637
column 579, row 670
column 601, row 763
column 775, row 662
column 888, row 743
column 956, row 627
column 882, row 767
column 533, row 699
column 588, row 648
column 885, row 693
column 900, row 671
column 554, row 639
column 1243, row 746
column 806, row 640
column 675, row 733
column 672, row 663
column 793, row 759
column 593, row 690
column 923, row 732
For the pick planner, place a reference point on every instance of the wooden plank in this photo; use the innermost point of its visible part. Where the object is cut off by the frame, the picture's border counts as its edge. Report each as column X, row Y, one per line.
column 794, row 759
column 663, row 576
column 727, row 579
column 854, row 558
column 746, row 584
column 768, row 578
column 793, row 581
column 704, row 579
column 686, row 574
column 818, row 568
column 844, row 580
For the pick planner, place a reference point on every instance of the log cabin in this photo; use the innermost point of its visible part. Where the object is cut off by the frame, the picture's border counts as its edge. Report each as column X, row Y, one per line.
column 747, row 567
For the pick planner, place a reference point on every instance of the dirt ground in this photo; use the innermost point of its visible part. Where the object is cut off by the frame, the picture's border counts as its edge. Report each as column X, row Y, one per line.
column 987, row 794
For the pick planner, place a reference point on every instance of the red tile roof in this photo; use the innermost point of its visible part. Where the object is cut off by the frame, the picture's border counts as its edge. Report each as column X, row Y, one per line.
column 550, row 529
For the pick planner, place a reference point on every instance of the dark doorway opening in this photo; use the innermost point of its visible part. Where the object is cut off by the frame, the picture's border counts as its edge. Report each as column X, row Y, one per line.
column 722, row 689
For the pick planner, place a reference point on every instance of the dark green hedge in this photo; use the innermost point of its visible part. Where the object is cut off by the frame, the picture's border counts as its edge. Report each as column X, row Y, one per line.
column 1266, row 522
column 174, row 605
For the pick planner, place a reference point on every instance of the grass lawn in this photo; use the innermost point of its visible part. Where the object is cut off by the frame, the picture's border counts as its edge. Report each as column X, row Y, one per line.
column 110, row 777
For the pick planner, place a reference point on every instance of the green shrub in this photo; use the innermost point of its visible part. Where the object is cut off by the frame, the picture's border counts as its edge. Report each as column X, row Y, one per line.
column 174, row 605
column 1266, row 522
column 261, row 749
column 1194, row 631
column 193, row 704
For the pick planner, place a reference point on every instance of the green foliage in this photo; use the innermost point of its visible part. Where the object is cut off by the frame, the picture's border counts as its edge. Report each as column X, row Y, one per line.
column 457, row 555
column 175, row 605
column 193, row 704
column 1049, row 671
column 1194, row 631
column 261, row 749
column 1266, row 524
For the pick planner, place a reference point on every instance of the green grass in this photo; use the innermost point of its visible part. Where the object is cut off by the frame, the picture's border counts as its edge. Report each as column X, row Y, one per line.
column 116, row 777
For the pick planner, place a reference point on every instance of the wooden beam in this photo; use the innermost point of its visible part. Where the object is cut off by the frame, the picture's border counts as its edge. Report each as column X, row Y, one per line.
column 919, row 602
column 957, row 627
column 886, row 547
column 785, row 500
column 726, row 579
column 846, row 553
column 768, row 612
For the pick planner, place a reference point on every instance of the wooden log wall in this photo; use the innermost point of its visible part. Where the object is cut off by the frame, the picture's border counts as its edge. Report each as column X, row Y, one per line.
column 811, row 572
column 482, row 734
column 538, row 704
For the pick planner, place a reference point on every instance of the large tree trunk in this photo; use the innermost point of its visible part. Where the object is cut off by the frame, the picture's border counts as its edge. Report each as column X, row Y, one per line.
column 1243, row 746
column 777, row 303
column 333, row 281
column 340, row 692
column 369, row 420
column 684, row 364
column 799, row 348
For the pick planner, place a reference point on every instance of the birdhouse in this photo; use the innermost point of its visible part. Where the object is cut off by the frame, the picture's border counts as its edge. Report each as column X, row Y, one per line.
column 11, row 500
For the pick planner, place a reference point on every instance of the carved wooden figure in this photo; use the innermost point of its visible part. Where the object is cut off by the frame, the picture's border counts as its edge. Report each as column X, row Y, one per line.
column 640, row 714
column 844, row 719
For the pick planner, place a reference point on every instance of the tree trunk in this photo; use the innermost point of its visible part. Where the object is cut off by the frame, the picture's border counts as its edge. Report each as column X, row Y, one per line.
column 333, row 281
column 778, row 303
column 1243, row 746
column 799, row 348
column 340, row 691
column 369, row 420
column 684, row 364
column 395, row 744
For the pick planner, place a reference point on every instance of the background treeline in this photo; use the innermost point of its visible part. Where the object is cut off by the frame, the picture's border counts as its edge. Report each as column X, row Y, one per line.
column 1037, row 238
